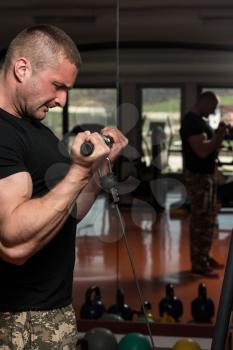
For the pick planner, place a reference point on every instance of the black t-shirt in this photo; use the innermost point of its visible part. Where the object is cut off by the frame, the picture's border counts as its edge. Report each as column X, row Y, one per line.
column 45, row 280
column 191, row 125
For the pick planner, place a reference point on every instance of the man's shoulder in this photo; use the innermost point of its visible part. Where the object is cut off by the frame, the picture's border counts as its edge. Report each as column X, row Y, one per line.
column 8, row 127
column 190, row 115
column 191, row 119
column 191, row 125
column 12, row 133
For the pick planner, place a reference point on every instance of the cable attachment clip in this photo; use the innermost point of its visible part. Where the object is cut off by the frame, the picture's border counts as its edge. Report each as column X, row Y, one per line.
column 109, row 182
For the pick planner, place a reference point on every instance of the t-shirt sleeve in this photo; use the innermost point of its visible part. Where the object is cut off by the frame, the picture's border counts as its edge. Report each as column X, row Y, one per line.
column 191, row 127
column 12, row 152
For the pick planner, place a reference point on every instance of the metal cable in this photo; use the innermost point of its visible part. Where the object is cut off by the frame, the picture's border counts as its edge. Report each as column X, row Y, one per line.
column 141, row 299
column 117, row 60
column 131, row 259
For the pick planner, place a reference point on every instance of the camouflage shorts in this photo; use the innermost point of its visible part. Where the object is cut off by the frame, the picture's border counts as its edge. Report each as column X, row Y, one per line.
column 39, row 330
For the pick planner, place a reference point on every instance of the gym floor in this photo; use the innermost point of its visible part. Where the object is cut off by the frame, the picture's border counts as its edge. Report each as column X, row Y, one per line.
column 160, row 247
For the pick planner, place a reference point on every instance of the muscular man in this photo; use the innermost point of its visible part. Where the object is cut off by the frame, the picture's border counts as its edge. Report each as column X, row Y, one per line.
column 200, row 149
column 41, row 188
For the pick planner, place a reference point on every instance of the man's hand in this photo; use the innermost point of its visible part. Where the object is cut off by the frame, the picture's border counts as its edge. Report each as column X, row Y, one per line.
column 222, row 129
column 120, row 141
column 100, row 149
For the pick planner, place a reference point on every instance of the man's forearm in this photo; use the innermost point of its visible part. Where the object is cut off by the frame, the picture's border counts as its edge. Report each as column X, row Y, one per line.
column 213, row 145
column 87, row 197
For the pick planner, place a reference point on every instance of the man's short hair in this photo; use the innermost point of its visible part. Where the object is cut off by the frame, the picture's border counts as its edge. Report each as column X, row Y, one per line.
column 208, row 95
column 43, row 45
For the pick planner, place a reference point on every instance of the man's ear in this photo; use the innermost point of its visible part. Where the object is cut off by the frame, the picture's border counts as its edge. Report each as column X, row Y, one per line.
column 22, row 69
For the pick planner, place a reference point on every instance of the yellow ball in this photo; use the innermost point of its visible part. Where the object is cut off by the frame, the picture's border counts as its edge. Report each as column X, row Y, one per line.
column 186, row 344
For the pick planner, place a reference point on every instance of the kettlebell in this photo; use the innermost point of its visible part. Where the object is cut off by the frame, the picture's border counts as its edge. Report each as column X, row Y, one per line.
column 148, row 316
column 93, row 307
column 202, row 307
column 170, row 306
column 120, row 308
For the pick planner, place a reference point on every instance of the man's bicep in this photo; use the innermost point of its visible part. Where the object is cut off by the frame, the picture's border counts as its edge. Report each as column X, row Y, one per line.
column 14, row 190
column 196, row 143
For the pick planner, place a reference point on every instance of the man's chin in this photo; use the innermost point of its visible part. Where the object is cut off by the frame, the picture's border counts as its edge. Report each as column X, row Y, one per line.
column 40, row 115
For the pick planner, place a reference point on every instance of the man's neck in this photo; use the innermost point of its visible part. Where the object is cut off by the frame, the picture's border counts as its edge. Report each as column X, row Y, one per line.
column 195, row 111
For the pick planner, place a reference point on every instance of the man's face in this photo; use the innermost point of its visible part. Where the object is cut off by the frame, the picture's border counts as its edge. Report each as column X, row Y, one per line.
column 46, row 89
column 209, row 108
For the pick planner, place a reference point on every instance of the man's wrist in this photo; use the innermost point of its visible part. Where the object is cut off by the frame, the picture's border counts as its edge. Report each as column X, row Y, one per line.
column 77, row 172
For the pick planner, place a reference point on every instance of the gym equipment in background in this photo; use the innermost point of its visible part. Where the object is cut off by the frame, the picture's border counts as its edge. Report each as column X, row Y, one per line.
column 100, row 339
column 148, row 316
column 186, row 344
column 134, row 341
column 202, row 307
column 120, row 308
column 170, row 307
column 111, row 317
column 93, row 307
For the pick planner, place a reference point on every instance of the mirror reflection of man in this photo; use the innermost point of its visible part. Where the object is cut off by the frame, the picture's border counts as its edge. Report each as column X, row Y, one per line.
column 200, row 149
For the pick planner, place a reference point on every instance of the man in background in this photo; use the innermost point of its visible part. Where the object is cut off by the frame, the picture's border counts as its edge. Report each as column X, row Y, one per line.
column 200, row 147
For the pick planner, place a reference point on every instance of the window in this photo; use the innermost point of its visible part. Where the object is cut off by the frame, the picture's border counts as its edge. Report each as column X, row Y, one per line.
column 53, row 120
column 89, row 106
column 161, row 145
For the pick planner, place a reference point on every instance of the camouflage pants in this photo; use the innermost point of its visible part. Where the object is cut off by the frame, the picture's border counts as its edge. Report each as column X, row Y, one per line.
column 202, row 193
column 38, row 330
